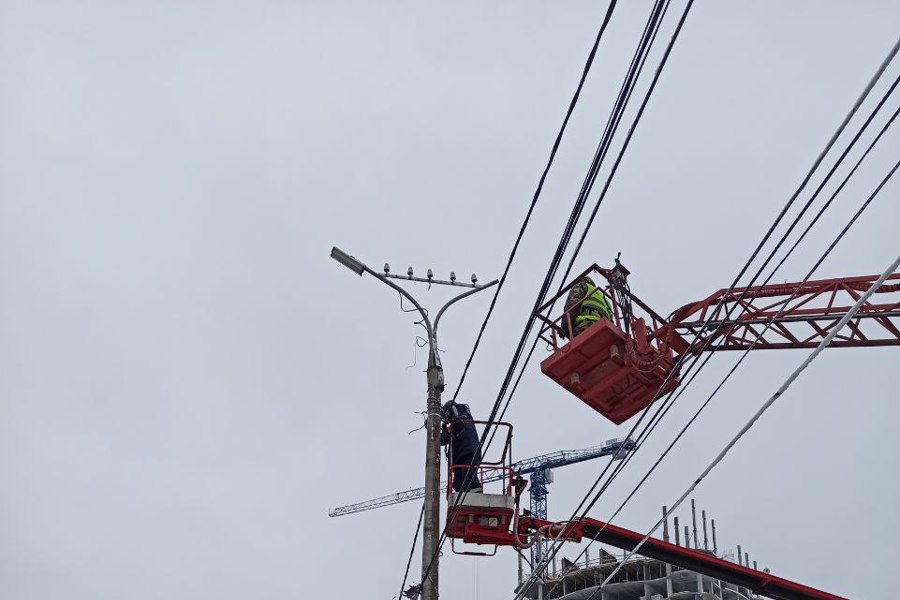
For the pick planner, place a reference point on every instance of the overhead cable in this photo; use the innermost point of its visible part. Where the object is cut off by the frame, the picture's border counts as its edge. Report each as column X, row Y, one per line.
column 540, row 186
column 816, row 164
column 538, row 190
column 744, row 354
column 634, row 71
column 768, row 403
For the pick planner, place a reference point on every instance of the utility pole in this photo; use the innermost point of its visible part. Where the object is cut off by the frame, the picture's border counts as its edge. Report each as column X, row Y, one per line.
column 431, row 526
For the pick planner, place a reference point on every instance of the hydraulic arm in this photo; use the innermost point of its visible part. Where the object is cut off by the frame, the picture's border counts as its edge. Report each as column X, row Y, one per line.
column 619, row 365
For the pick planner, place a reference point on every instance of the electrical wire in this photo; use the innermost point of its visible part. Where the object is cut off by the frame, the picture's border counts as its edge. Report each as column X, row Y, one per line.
column 606, row 185
column 743, row 356
column 808, row 275
column 540, row 186
column 768, row 403
column 576, row 211
column 612, row 123
column 590, row 180
column 803, row 184
column 663, row 409
column 793, row 247
column 537, row 192
column 412, row 551
column 615, row 117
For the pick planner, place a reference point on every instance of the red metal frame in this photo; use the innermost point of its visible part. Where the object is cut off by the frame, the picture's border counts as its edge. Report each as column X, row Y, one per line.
column 618, row 369
column 521, row 531
column 613, row 366
column 553, row 326
column 482, row 525
column 507, row 526
column 695, row 560
column 503, row 464
column 815, row 308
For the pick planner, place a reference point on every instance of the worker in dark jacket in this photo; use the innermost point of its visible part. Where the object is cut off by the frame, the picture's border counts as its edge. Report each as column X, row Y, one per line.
column 594, row 307
column 461, row 438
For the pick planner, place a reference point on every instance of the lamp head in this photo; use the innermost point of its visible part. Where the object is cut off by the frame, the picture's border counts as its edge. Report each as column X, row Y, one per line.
column 348, row 261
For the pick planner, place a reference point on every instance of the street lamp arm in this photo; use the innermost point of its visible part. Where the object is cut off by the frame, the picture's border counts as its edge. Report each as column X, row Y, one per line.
column 437, row 319
column 359, row 267
column 426, row 321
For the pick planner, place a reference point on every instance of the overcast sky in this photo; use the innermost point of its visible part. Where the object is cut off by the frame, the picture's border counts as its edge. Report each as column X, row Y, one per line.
column 188, row 382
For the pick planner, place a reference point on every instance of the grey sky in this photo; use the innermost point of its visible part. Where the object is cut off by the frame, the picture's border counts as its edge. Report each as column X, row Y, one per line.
column 188, row 383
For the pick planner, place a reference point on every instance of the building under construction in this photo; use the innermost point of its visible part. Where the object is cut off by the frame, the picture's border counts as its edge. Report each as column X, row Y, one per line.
column 640, row 578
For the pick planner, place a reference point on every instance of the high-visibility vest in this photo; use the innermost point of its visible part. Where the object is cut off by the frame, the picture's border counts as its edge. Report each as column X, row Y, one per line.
column 594, row 307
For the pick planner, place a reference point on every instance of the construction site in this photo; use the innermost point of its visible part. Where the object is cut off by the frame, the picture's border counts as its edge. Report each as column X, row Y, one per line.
column 637, row 579
column 640, row 578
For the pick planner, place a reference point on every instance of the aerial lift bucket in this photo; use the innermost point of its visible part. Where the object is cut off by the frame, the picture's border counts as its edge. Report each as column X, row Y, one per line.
column 616, row 373
column 487, row 517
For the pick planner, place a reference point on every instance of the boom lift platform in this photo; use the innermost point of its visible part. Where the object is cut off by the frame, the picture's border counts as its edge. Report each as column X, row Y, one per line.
column 494, row 518
column 619, row 366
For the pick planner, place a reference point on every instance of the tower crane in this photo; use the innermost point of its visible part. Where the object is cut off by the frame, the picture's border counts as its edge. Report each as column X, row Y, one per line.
column 539, row 467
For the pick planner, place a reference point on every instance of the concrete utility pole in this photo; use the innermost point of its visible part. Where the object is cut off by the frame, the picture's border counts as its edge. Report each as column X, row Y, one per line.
column 431, row 522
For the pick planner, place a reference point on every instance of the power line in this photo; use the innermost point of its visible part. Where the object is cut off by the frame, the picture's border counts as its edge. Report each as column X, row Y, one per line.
column 808, row 275
column 611, row 125
column 609, row 179
column 781, row 390
column 619, row 106
column 768, row 325
column 576, row 211
column 412, row 550
column 821, row 211
column 591, row 178
column 585, row 71
column 660, row 413
column 667, row 403
column 538, row 190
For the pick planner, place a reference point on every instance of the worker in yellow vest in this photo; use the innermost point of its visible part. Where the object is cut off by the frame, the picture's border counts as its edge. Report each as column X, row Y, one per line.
column 594, row 307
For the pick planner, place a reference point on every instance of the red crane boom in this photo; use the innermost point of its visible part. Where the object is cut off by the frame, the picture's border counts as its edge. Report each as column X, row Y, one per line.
column 759, row 582
column 493, row 518
column 812, row 310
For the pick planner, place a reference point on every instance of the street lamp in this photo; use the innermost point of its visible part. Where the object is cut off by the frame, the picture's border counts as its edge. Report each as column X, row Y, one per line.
column 435, row 378
column 347, row 260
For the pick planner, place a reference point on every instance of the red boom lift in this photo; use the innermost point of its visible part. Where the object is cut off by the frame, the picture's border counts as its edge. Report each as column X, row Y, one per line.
column 493, row 518
column 618, row 366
